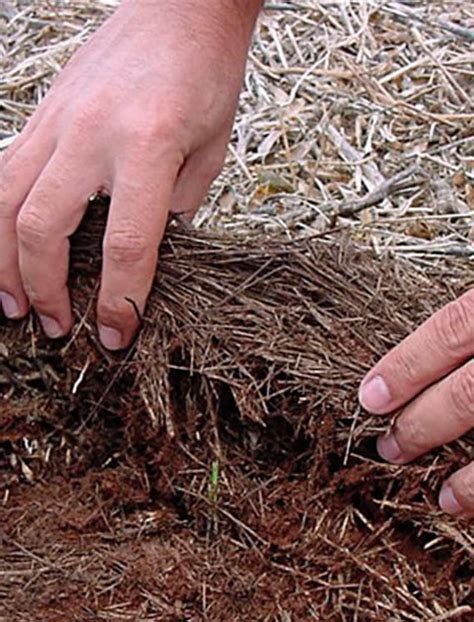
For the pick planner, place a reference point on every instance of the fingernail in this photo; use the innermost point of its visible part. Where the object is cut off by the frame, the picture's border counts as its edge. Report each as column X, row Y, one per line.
column 388, row 448
column 448, row 501
column 51, row 327
column 375, row 395
column 111, row 338
column 10, row 306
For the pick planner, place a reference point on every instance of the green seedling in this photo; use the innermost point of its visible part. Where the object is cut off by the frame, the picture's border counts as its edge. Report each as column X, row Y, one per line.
column 214, row 483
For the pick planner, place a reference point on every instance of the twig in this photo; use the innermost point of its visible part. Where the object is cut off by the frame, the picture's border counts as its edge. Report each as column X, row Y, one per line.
column 379, row 194
column 404, row 12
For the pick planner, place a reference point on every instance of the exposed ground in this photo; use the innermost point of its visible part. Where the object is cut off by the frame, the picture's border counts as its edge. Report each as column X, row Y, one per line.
column 222, row 470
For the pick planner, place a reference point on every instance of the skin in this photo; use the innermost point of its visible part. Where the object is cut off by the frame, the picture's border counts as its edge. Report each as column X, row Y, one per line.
column 429, row 379
column 143, row 112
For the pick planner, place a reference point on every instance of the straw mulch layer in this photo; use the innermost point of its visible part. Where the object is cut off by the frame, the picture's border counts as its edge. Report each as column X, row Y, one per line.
column 222, row 469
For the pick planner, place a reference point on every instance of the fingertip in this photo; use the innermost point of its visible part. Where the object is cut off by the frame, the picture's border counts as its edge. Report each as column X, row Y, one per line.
column 117, row 321
column 52, row 327
column 374, row 395
column 448, row 501
column 55, row 316
column 389, row 449
column 13, row 308
column 111, row 338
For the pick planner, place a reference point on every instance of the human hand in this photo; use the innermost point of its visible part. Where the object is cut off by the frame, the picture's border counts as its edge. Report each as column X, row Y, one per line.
column 430, row 377
column 143, row 112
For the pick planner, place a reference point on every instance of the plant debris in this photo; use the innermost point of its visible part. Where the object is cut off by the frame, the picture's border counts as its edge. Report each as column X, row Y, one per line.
column 224, row 463
column 222, row 469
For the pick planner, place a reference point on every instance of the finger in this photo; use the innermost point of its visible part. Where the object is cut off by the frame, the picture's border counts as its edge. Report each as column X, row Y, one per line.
column 440, row 345
column 18, row 174
column 194, row 180
column 457, row 494
column 27, row 134
column 17, row 143
column 441, row 414
column 51, row 213
column 138, row 215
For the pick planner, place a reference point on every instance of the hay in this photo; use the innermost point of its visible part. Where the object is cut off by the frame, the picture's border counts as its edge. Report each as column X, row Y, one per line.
column 222, row 469
column 339, row 98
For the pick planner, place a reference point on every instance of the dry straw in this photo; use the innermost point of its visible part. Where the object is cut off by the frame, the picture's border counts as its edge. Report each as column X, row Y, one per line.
column 222, row 469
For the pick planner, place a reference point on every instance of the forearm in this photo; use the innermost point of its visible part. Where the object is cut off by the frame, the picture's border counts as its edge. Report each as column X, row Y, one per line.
column 241, row 14
column 223, row 25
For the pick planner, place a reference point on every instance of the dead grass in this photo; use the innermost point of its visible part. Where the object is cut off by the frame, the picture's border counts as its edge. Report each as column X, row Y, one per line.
column 339, row 97
column 353, row 148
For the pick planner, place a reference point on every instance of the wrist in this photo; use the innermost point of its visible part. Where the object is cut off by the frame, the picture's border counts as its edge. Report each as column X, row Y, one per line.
column 246, row 13
column 247, row 9
column 237, row 15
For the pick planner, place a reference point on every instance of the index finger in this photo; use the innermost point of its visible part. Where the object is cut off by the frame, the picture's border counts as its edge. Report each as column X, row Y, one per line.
column 436, row 348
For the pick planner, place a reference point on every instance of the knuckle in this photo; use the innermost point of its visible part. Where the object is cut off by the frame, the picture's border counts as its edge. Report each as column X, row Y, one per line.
column 32, row 228
column 168, row 127
column 163, row 133
column 454, row 325
column 127, row 246
column 87, row 117
column 403, row 365
column 141, row 138
column 462, row 395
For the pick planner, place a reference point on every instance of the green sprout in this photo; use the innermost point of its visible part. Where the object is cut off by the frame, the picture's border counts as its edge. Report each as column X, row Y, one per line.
column 214, row 483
